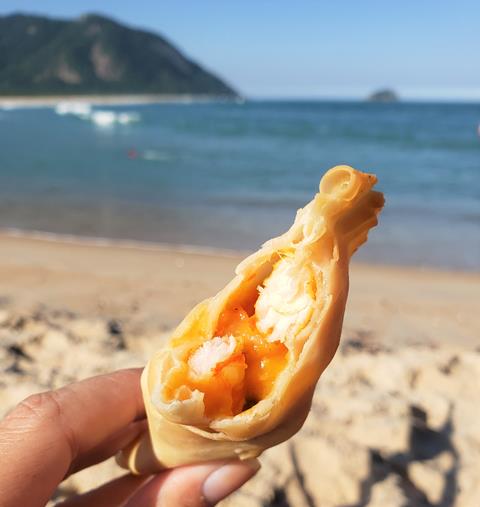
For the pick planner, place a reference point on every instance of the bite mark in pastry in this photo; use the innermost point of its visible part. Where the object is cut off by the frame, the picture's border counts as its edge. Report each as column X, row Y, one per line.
column 238, row 374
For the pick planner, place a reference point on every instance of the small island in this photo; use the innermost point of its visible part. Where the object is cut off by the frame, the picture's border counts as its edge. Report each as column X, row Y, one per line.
column 384, row 95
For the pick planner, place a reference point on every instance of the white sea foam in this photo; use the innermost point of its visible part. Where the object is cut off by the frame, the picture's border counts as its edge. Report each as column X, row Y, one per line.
column 126, row 118
column 80, row 109
column 156, row 155
column 100, row 117
column 103, row 118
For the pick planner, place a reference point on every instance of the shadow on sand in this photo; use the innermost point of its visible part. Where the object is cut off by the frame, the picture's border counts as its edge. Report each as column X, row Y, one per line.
column 424, row 444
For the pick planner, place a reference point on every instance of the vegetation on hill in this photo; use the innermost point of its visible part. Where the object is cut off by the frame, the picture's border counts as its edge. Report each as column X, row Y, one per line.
column 94, row 55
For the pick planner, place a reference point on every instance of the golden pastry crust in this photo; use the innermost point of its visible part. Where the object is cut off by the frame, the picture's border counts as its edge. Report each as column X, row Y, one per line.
column 295, row 287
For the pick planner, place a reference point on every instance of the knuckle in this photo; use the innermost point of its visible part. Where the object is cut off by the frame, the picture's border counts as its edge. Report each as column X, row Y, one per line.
column 39, row 408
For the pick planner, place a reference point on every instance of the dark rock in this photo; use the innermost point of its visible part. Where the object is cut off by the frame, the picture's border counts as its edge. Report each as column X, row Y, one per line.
column 19, row 323
column 116, row 333
column 15, row 368
column 385, row 95
column 278, row 499
column 114, row 327
column 450, row 366
column 18, row 352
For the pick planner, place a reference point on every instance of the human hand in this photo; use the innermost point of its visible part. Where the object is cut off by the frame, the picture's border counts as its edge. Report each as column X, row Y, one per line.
column 52, row 435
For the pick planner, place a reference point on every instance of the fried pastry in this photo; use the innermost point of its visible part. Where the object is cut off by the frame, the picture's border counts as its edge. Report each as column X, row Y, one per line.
column 238, row 374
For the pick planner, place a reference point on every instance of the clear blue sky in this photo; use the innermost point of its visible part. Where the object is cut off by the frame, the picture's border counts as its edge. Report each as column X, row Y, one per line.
column 311, row 48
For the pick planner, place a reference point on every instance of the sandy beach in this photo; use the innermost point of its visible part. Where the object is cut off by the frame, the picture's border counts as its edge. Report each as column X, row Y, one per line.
column 15, row 101
column 395, row 417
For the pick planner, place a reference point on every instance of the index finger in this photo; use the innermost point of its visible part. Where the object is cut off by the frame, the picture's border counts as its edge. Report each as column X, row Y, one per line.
column 42, row 436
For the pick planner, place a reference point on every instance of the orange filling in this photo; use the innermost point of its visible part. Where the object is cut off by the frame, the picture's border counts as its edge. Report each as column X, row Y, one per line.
column 246, row 376
column 264, row 359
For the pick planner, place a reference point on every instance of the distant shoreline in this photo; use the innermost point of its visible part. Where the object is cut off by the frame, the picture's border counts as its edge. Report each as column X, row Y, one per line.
column 13, row 101
column 30, row 101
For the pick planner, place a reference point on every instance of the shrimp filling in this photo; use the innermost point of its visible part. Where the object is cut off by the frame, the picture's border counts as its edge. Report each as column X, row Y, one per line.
column 238, row 367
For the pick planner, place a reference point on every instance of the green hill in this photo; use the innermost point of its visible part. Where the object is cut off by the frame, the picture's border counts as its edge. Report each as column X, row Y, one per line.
column 94, row 55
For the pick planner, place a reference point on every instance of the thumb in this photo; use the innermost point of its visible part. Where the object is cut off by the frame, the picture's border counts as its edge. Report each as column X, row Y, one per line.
column 194, row 486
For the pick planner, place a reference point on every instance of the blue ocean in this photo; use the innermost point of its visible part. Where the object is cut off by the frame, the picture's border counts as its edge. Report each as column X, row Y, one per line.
column 231, row 175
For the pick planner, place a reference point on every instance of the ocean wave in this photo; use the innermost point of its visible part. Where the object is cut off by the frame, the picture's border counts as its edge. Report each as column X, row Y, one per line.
column 100, row 117
column 155, row 155
column 80, row 109
column 105, row 118
column 6, row 106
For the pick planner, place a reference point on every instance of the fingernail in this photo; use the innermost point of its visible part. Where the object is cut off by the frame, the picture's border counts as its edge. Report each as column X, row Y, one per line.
column 227, row 479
